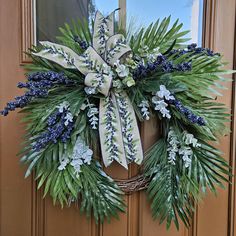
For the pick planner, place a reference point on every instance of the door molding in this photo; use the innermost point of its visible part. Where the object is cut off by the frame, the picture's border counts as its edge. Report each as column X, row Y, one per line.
column 213, row 29
column 28, row 21
column 232, row 190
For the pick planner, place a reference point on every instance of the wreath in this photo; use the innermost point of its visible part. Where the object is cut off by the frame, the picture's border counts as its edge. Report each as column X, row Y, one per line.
column 83, row 99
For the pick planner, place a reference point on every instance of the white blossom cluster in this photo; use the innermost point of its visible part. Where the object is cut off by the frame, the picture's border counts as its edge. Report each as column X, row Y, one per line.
column 81, row 155
column 152, row 56
column 61, row 108
column 186, row 153
column 106, row 69
column 159, row 102
column 173, row 146
column 144, row 105
column 183, row 148
column 190, row 140
column 124, row 73
column 90, row 90
column 92, row 115
column 121, row 69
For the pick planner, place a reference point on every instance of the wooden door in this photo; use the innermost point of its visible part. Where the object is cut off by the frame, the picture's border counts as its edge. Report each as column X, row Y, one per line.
column 23, row 212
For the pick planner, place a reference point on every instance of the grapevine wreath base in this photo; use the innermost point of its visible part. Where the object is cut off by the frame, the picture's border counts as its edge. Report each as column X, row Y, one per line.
column 137, row 183
column 85, row 96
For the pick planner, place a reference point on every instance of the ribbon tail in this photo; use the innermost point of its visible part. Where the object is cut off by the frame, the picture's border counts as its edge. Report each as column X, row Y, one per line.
column 110, row 132
column 130, row 131
column 59, row 54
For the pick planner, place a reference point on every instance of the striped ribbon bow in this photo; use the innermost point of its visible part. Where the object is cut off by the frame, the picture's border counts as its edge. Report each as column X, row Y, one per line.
column 118, row 129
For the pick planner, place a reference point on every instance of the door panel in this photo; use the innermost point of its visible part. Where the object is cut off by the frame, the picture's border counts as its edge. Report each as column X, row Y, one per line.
column 15, row 193
column 23, row 212
column 214, row 214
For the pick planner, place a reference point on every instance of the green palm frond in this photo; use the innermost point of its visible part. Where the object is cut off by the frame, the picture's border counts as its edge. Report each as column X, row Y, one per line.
column 77, row 30
column 169, row 199
column 175, row 189
column 159, row 35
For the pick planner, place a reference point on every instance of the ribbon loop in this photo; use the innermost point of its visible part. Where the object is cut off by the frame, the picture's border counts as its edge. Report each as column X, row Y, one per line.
column 90, row 62
column 99, row 81
column 116, row 48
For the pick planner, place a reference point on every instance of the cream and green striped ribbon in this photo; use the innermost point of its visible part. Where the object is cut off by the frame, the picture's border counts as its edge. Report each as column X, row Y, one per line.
column 118, row 129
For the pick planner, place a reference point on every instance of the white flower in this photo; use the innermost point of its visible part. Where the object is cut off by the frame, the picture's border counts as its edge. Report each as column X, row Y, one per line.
column 160, row 105
column 164, row 93
column 107, row 69
column 92, row 114
column 173, row 145
column 166, row 113
column 144, row 109
column 186, row 153
column 77, row 163
column 121, row 70
column 178, row 147
column 189, row 139
column 63, row 164
column 81, row 155
column 68, row 118
column 90, row 90
column 87, row 157
column 63, row 106
column 187, row 161
column 92, row 111
column 172, row 157
column 155, row 99
column 154, row 54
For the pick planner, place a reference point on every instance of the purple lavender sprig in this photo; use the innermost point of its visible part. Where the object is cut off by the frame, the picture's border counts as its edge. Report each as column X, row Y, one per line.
column 160, row 64
column 59, row 127
column 37, row 86
column 81, row 43
column 194, row 49
column 189, row 115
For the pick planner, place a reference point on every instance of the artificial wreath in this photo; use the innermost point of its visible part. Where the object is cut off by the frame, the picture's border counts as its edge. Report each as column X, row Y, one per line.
column 83, row 98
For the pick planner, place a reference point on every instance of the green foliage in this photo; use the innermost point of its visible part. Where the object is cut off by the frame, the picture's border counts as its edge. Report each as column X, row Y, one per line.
column 95, row 191
column 159, row 35
column 174, row 189
column 100, row 194
column 69, row 33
